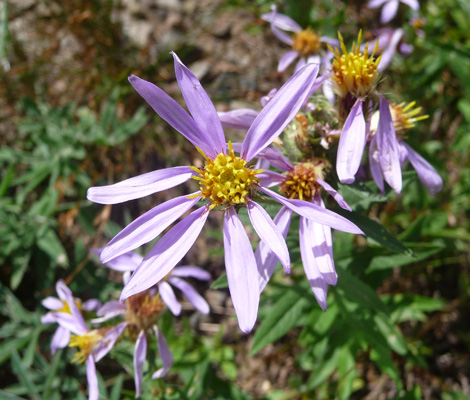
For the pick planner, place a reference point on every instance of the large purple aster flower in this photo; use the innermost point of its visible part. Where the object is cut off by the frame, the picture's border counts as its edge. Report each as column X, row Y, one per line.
column 226, row 182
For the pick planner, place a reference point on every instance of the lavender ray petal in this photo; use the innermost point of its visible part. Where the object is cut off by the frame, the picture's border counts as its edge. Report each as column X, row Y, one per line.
column 300, row 64
column 165, row 355
column 60, row 339
column 242, row 273
column 238, row 119
column 376, row 3
column 169, row 298
column 147, row 227
column 269, row 233
column 314, row 276
column 270, row 178
column 52, row 303
column 140, row 186
column 201, row 107
column 49, row 318
column 315, row 213
column 90, row 305
column 62, row 290
column 273, row 118
column 426, row 172
column 171, row 112
column 265, row 259
column 389, row 11
column 79, row 325
column 191, row 271
column 391, row 49
column 69, row 322
column 168, row 251
column 114, row 307
column 332, row 192
column 351, row 144
column 108, row 341
column 194, row 297
column 387, row 146
column 282, row 36
column 413, row 4
column 140, row 353
column 93, row 391
column 281, row 21
column 332, row 42
column 128, row 261
column 286, row 60
column 374, row 162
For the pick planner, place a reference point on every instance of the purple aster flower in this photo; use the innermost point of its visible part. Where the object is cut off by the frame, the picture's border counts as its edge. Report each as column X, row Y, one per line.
column 226, row 182
column 390, row 7
column 304, row 181
column 306, row 44
column 400, row 118
column 141, row 313
column 60, row 306
column 130, row 261
column 93, row 344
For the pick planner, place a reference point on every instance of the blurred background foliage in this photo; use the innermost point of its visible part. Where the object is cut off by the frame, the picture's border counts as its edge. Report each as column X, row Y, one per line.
column 397, row 323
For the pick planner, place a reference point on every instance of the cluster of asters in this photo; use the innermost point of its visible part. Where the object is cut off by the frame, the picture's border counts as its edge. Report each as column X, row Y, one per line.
column 298, row 142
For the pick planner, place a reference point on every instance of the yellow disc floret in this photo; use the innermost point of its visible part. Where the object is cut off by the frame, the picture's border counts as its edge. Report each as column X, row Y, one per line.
column 354, row 73
column 66, row 308
column 85, row 343
column 306, row 42
column 226, row 180
column 405, row 116
column 301, row 181
column 143, row 310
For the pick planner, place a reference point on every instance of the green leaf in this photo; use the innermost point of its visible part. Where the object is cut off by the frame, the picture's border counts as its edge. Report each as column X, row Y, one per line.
column 8, row 396
column 375, row 231
column 51, row 245
column 282, row 317
column 359, row 196
column 51, row 374
column 221, row 282
column 22, row 375
column 117, row 388
column 20, row 265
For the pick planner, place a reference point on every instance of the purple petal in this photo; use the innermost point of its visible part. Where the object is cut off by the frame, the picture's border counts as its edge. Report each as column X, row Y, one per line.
column 300, row 64
column 275, row 157
column 426, row 172
column 171, row 112
column 139, row 358
column 266, row 99
column 168, row 251
column 286, row 60
column 90, row 305
column 112, row 307
column 52, row 303
column 351, row 144
column 270, row 178
column 242, row 273
column 374, row 162
column 238, row 119
column 62, row 290
column 314, row 276
column 376, row 3
column 67, row 321
column 191, row 271
column 49, row 318
column 140, row 186
column 387, row 146
column 281, row 21
column 391, row 49
column 128, row 261
column 108, row 341
column 269, row 233
column 282, row 36
column 413, row 4
column 164, row 353
column 332, row 42
column 332, row 192
column 93, row 391
column 201, row 107
column 60, row 339
column 265, row 259
column 315, row 213
column 169, row 298
column 273, row 118
column 194, row 297
column 147, row 227
column 389, row 11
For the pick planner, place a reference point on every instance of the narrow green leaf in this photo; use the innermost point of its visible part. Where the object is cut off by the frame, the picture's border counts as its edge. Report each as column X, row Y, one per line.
column 282, row 317
column 117, row 388
column 52, row 374
column 51, row 245
column 22, row 375
column 221, row 282
column 359, row 196
column 31, row 349
column 9, row 396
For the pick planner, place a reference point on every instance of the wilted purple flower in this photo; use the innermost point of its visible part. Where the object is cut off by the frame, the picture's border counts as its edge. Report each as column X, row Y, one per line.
column 141, row 313
column 225, row 181
column 93, row 344
column 390, row 7
column 306, row 44
column 130, row 261
column 402, row 118
column 304, row 181
column 60, row 306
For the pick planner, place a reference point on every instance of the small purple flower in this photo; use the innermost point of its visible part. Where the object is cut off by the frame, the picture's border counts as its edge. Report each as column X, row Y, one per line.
column 225, row 182
column 390, row 7
column 60, row 306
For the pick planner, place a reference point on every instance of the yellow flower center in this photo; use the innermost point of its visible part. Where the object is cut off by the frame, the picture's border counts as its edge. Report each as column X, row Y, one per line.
column 85, row 343
column 66, row 309
column 301, row 181
column 306, row 42
column 144, row 310
column 354, row 73
column 405, row 117
column 226, row 180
